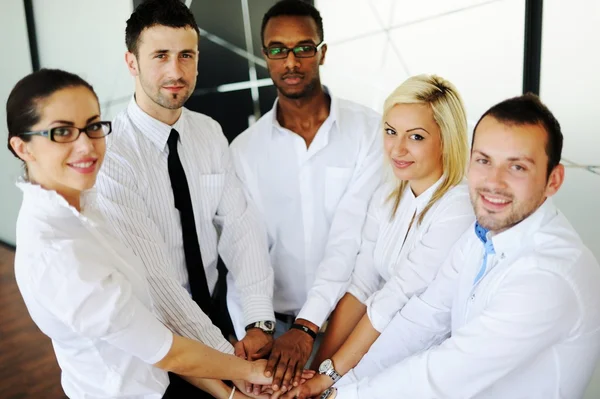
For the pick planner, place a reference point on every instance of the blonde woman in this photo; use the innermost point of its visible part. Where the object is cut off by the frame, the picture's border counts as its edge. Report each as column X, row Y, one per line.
column 414, row 219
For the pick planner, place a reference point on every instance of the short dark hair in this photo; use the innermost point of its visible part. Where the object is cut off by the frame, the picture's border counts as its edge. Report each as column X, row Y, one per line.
column 22, row 111
column 528, row 109
column 172, row 13
column 296, row 8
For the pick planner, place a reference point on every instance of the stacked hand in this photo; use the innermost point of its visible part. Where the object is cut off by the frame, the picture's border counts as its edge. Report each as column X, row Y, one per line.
column 310, row 389
column 288, row 357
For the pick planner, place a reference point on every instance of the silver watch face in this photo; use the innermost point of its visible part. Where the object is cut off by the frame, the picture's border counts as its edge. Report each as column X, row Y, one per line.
column 325, row 366
column 269, row 325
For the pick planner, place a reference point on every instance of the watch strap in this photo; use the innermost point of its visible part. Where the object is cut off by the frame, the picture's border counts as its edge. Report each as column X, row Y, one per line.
column 305, row 329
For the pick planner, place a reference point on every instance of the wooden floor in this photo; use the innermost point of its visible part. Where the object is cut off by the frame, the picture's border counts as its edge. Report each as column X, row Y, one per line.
column 28, row 368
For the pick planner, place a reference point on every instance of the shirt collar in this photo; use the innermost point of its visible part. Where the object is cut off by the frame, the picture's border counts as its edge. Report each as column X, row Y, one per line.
column 422, row 200
column 156, row 131
column 514, row 238
column 49, row 202
column 331, row 119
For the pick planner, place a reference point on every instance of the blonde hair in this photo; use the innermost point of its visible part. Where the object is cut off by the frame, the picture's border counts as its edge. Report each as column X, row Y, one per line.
column 449, row 114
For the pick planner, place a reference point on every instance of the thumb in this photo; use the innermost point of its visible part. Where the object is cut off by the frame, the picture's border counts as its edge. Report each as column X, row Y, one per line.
column 240, row 350
column 262, row 352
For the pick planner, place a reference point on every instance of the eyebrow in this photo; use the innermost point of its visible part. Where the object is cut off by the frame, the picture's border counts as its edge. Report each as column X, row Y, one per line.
column 409, row 130
column 418, row 128
column 301, row 42
column 70, row 123
column 511, row 159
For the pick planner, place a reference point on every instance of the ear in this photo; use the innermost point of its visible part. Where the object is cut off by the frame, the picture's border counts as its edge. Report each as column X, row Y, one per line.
column 22, row 149
column 132, row 64
column 323, row 52
column 555, row 180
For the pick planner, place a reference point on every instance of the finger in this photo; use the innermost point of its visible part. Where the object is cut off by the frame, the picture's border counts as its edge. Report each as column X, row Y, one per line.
column 272, row 363
column 297, row 374
column 280, row 372
column 256, row 389
column 308, row 374
column 239, row 350
column 262, row 352
column 248, row 387
column 289, row 374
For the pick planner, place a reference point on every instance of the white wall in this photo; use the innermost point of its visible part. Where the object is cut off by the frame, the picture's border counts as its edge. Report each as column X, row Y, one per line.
column 570, row 83
column 373, row 46
column 87, row 37
column 81, row 36
column 16, row 63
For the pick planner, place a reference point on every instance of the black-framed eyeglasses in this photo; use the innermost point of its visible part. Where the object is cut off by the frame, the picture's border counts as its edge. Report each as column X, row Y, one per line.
column 68, row 134
column 300, row 51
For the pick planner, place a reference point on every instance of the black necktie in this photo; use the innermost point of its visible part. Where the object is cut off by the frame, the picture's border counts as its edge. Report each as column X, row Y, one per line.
column 191, row 246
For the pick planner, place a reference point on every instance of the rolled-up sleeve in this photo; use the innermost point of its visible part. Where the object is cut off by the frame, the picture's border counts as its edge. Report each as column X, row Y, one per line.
column 421, row 264
column 366, row 280
column 96, row 301
column 335, row 270
column 531, row 311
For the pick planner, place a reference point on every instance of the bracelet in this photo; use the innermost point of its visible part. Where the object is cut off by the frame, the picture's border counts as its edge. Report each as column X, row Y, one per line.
column 232, row 392
column 305, row 329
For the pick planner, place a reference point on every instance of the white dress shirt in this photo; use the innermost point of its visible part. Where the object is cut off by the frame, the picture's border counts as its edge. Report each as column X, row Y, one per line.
column 395, row 263
column 137, row 199
column 313, row 201
column 530, row 328
column 89, row 294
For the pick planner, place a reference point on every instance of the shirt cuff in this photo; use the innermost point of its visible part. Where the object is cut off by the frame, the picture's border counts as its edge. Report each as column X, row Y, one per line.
column 347, row 392
column 358, row 293
column 315, row 310
column 257, row 308
column 378, row 320
column 225, row 347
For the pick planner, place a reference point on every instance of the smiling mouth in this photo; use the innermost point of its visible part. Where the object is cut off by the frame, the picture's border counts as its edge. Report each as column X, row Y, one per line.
column 84, row 167
column 402, row 164
column 493, row 202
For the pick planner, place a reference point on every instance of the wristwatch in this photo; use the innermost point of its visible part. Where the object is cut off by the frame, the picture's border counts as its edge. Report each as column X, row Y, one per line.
column 267, row 326
column 326, row 368
column 328, row 392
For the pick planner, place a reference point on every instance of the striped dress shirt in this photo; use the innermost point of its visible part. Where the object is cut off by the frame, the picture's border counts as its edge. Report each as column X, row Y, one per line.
column 137, row 199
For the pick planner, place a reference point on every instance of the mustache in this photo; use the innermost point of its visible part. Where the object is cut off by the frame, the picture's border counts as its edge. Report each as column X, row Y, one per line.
column 495, row 192
column 292, row 74
column 178, row 82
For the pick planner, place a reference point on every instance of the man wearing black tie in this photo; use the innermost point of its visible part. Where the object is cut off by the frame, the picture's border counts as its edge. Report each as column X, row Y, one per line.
column 169, row 190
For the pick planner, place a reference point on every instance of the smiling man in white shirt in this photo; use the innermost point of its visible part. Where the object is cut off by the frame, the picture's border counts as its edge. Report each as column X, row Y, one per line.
column 513, row 312
column 311, row 165
column 169, row 189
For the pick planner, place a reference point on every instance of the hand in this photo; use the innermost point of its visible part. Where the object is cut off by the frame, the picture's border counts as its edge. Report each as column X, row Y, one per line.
column 311, row 388
column 255, row 340
column 257, row 373
column 239, row 393
column 288, row 357
column 255, row 345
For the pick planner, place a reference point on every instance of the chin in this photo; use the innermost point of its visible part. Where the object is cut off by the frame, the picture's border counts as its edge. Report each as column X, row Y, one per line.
column 402, row 175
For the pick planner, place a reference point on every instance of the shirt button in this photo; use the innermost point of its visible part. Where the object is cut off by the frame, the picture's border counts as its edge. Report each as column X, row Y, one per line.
column 502, row 255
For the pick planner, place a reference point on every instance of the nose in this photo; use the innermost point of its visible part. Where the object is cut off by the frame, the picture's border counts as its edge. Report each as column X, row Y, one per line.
column 84, row 144
column 291, row 61
column 495, row 178
column 175, row 69
column 400, row 147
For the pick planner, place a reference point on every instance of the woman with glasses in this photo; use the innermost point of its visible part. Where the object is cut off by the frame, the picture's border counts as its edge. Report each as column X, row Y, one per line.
column 83, row 288
column 414, row 219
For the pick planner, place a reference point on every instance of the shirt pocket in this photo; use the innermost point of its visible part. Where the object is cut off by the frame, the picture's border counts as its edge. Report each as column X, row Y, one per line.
column 336, row 183
column 210, row 192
